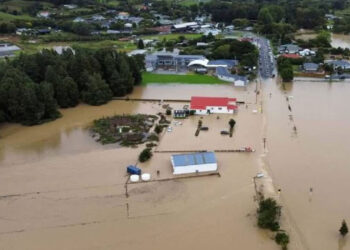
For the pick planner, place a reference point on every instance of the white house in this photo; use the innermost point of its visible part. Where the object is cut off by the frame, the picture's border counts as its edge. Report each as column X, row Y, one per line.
column 194, row 163
column 213, row 105
column 43, row 14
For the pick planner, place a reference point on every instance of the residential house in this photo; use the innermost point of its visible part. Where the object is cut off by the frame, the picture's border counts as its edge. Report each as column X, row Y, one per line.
column 43, row 14
column 310, row 67
column 288, row 49
column 345, row 65
column 7, row 49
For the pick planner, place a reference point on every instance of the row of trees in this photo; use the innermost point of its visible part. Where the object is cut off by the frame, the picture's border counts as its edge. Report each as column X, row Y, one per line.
column 33, row 87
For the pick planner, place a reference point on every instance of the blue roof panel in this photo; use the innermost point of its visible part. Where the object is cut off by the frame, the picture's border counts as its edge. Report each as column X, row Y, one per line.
column 193, row 159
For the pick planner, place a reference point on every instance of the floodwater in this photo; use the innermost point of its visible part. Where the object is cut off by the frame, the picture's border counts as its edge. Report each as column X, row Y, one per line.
column 314, row 156
column 61, row 190
column 342, row 41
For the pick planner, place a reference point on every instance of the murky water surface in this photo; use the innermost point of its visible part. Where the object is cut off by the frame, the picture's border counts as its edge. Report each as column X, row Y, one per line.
column 62, row 190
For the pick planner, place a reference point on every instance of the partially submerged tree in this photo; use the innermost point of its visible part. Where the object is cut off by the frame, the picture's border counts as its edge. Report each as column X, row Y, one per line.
column 145, row 155
column 282, row 239
column 232, row 123
column 344, row 228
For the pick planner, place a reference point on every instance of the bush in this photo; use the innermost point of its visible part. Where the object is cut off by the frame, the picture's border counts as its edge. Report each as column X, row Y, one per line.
column 158, row 129
column 268, row 214
column 145, row 155
column 282, row 239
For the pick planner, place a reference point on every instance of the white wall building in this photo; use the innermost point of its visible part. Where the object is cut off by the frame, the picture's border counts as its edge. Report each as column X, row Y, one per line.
column 213, row 105
column 194, row 163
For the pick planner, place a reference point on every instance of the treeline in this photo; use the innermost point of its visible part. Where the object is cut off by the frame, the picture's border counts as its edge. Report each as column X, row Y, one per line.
column 33, row 87
column 244, row 51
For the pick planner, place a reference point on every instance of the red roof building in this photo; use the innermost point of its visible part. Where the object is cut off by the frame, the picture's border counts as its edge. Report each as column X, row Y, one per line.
column 208, row 105
column 291, row 56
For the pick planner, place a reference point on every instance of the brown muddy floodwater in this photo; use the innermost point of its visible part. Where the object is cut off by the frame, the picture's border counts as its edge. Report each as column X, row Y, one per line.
column 61, row 190
column 342, row 41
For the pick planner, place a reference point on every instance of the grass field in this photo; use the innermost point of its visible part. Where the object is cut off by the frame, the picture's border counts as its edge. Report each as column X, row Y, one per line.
column 8, row 17
column 148, row 78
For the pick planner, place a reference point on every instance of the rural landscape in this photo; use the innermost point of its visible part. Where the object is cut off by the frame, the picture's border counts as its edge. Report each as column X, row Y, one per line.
column 160, row 124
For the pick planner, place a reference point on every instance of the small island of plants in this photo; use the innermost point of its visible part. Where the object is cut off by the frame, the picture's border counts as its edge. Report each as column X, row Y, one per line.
column 127, row 130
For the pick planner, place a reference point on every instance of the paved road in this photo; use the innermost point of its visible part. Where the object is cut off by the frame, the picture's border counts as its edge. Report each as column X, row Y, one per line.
column 266, row 59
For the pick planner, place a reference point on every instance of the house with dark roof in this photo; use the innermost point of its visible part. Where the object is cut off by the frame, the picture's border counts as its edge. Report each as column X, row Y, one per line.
column 288, row 49
column 339, row 64
column 223, row 74
column 310, row 67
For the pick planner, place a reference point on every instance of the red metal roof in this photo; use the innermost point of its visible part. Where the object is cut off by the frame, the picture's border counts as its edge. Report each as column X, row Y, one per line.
column 199, row 102
column 292, row 56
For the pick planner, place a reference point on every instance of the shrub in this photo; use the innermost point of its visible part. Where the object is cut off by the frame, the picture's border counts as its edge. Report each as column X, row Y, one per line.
column 282, row 239
column 145, row 155
column 268, row 214
column 158, row 129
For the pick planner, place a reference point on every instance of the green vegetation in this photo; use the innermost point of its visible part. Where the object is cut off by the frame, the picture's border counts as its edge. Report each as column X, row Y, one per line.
column 232, row 124
column 126, row 129
column 282, row 239
column 285, row 68
column 32, row 87
column 268, row 214
column 344, row 228
column 145, row 155
column 148, row 78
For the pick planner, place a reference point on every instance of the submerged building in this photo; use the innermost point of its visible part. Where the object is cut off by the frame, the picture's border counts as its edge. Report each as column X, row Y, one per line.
column 213, row 105
column 194, row 163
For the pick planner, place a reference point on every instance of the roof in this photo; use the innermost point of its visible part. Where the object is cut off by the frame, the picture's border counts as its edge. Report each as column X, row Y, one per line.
column 289, row 47
column 184, row 25
column 199, row 102
column 201, row 62
column 222, row 71
column 292, row 56
column 310, row 66
column 339, row 63
column 228, row 63
column 184, row 160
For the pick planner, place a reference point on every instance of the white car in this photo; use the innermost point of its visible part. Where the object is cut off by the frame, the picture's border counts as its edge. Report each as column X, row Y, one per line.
column 170, row 129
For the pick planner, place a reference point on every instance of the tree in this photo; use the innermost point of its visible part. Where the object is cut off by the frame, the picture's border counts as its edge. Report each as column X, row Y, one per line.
column 232, row 123
column 282, row 239
column 97, row 92
column 145, row 155
column 158, row 129
column 344, row 228
column 140, row 44
column 265, row 17
column 268, row 214
column 287, row 74
column 67, row 93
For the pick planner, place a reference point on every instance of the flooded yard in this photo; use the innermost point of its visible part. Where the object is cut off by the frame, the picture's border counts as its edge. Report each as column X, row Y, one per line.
column 62, row 190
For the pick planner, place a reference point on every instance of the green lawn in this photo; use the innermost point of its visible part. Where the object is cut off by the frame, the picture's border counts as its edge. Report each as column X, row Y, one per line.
column 8, row 17
column 148, row 78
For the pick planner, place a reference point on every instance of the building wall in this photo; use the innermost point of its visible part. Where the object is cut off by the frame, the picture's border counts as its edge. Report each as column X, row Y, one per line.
column 214, row 110
column 194, row 168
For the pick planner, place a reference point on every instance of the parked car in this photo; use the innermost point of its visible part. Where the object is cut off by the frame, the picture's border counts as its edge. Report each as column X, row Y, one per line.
column 204, row 128
column 224, row 132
